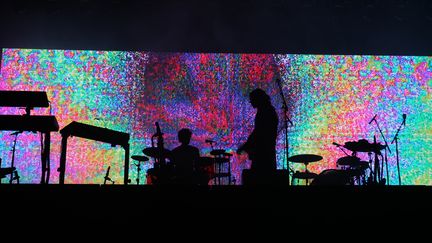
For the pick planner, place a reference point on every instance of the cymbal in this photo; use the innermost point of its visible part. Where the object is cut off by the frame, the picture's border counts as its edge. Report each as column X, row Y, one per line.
column 363, row 145
column 217, row 152
column 348, row 160
column 155, row 152
column 139, row 158
column 305, row 158
column 304, row 175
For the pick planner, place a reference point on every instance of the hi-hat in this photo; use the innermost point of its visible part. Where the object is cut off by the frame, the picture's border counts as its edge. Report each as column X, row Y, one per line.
column 305, row 158
column 155, row 152
column 139, row 158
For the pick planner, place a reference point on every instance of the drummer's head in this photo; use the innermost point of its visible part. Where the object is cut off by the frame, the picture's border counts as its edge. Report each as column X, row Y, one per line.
column 258, row 97
column 184, row 136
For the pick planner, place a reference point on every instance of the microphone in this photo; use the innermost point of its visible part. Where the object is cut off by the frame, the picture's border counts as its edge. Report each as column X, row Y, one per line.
column 373, row 119
column 404, row 119
column 16, row 133
column 336, row 144
column 209, row 141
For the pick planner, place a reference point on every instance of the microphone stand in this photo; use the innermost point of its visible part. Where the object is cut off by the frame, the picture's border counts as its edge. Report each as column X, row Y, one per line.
column 395, row 140
column 340, row 147
column 286, row 120
column 385, row 158
column 107, row 178
column 12, row 178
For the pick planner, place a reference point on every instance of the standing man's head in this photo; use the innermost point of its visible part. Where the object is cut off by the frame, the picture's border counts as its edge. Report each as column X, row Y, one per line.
column 184, row 136
column 259, row 98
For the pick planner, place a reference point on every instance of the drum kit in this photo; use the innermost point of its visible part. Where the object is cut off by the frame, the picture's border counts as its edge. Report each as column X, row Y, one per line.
column 352, row 169
column 217, row 166
column 205, row 169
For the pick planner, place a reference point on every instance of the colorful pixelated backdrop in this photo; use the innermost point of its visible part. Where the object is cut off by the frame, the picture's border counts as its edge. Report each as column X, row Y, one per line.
column 331, row 99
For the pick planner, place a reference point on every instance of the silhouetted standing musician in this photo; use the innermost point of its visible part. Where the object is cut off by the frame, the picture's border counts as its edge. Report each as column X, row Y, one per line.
column 261, row 143
column 184, row 158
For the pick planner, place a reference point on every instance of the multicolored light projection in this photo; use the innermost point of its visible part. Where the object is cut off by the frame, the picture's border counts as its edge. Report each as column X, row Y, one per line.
column 330, row 99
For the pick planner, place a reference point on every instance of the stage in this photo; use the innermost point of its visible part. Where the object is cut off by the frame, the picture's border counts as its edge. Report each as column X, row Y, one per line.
column 216, row 210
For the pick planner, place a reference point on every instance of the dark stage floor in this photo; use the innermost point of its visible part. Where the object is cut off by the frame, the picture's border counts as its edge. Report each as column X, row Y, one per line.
column 213, row 210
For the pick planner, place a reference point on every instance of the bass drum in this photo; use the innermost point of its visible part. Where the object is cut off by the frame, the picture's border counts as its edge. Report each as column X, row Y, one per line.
column 332, row 177
column 160, row 175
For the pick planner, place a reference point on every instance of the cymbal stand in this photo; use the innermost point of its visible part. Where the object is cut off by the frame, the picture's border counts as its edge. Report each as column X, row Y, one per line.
column 377, row 173
column 12, row 177
column 395, row 140
column 138, row 165
column 286, row 120
column 307, row 171
column 386, row 148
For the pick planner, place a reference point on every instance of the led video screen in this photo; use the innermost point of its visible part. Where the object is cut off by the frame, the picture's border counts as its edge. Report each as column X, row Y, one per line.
column 331, row 99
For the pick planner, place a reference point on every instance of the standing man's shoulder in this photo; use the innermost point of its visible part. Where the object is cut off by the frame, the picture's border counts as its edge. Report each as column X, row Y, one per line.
column 195, row 150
